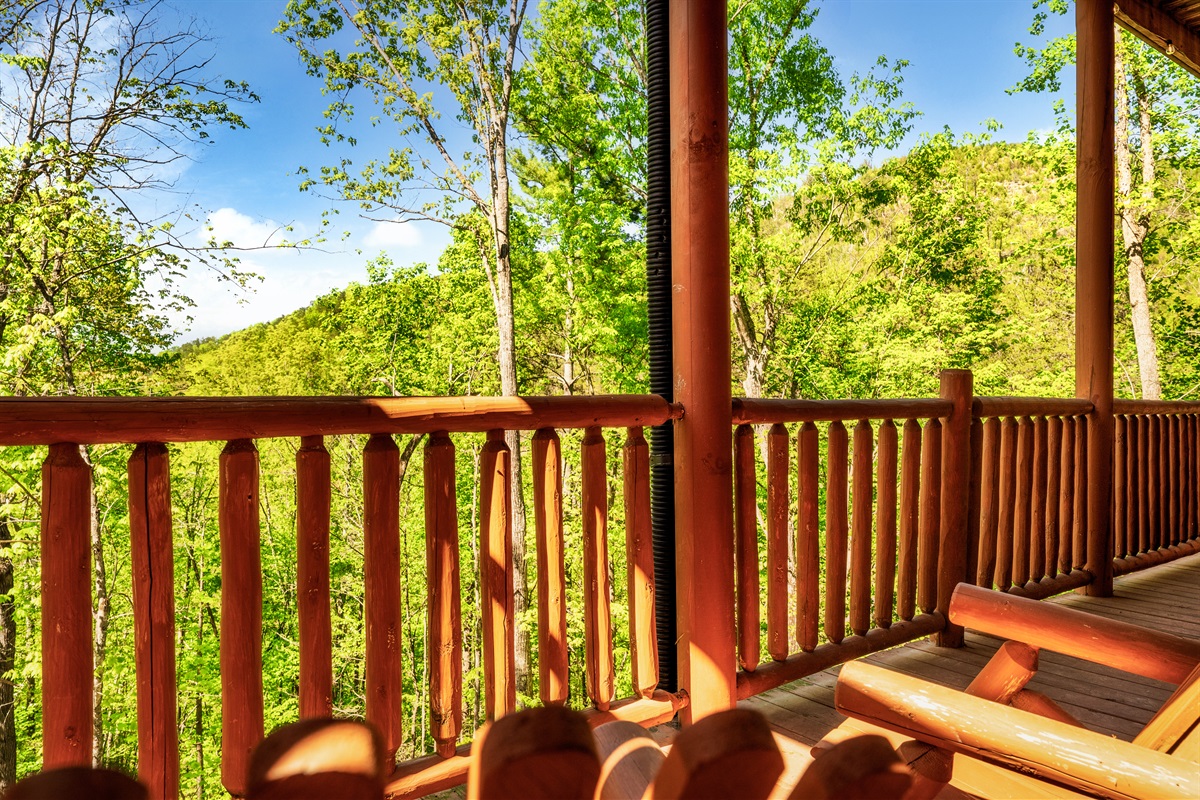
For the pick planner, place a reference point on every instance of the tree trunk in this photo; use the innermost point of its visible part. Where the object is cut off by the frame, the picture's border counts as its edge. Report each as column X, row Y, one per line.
column 1135, row 226
column 8, row 652
column 100, row 617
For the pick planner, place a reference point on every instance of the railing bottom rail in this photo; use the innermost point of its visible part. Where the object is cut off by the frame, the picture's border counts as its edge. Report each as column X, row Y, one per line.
column 1048, row 587
column 776, row 673
column 1123, row 566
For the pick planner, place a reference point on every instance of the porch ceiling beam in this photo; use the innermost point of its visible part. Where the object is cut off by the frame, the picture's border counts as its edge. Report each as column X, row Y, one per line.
column 1162, row 31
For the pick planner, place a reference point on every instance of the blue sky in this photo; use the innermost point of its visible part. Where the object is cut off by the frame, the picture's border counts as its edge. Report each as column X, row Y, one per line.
column 961, row 62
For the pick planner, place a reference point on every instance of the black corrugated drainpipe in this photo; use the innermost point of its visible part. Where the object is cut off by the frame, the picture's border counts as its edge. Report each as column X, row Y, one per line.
column 658, row 280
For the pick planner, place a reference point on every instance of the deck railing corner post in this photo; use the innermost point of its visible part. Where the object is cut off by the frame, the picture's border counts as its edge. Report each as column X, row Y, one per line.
column 958, row 387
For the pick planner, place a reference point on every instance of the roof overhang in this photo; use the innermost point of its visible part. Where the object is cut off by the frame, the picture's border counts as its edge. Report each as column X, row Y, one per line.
column 1170, row 26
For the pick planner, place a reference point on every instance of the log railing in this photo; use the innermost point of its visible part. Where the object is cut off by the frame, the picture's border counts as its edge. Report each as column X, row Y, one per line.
column 1029, row 470
column 150, row 424
column 1156, row 480
column 870, row 544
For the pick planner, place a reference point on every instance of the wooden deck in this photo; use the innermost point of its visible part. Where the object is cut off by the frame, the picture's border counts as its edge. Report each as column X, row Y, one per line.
column 1165, row 597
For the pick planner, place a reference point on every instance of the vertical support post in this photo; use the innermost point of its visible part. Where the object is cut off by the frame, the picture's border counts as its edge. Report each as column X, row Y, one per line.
column 1094, row 271
column 958, row 386
column 241, row 613
column 152, row 556
column 383, row 625
column 66, row 608
column 700, row 309
column 312, row 578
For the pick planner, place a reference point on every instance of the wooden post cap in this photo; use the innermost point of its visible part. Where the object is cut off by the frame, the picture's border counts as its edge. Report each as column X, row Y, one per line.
column 318, row 758
column 537, row 754
column 728, row 754
column 863, row 767
column 94, row 784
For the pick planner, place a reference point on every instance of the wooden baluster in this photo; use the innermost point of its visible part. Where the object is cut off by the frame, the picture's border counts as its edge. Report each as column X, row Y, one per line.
column 910, row 493
column 1024, row 474
column 381, row 569
column 1145, row 501
column 885, row 523
column 1155, row 477
column 639, row 560
column 1192, row 482
column 1054, row 433
column 836, row 499
column 745, row 518
column 551, row 573
column 778, row 499
column 312, row 578
column 989, row 509
column 860, row 537
column 597, row 620
column 808, row 538
column 496, row 577
column 241, row 613
column 1132, row 481
column 1080, row 515
column 1037, row 511
column 152, row 556
column 1120, row 480
column 1066, row 495
column 975, row 490
column 1176, row 477
column 443, row 594
column 66, row 608
column 1007, row 525
column 1187, row 477
column 930, row 520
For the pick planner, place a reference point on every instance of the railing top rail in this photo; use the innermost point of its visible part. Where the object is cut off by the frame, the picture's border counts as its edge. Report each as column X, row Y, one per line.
column 755, row 411
column 112, row 420
column 1030, row 407
column 1155, row 407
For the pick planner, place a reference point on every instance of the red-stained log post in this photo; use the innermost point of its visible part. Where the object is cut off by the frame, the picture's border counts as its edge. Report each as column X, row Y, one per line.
column 929, row 536
column 1120, row 484
column 443, row 594
column 496, row 577
column 597, row 617
column 152, row 551
column 66, row 608
column 1066, row 494
column 1007, row 516
column 241, row 613
column 381, row 566
column 1037, row 511
column 836, row 531
column 1024, row 502
column 808, row 538
column 1094, row 214
column 885, row 554
column 989, row 508
column 957, row 386
column 700, row 310
column 1054, row 467
column 551, row 571
column 639, row 563
column 910, row 494
column 745, row 546
column 777, row 542
column 860, row 535
column 312, row 578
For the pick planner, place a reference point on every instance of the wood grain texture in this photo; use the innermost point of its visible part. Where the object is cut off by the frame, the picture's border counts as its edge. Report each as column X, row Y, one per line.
column 443, row 598
column 639, row 561
column 152, row 557
column 929, row 535
column 808, row 538
column 1007, row 517
column 1120, row 487
column 312, row 578
column 97, row 420
column 1066, row 495
column 860, row 536
column 778, row 500
column 910, row 515
column 1024, row 502
column 745, row 551
column 597, row 617
column 955, row 463
column 836, row 531
column 551, row 587
column 66, row 599
column 496, row 577
column 1054, row 467
column 989, row 508
column 885, row 525
column 1037, row 502
column 381, row 567
column 241, row 613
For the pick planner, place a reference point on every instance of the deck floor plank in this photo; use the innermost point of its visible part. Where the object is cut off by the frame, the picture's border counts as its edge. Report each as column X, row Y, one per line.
column 1165, row 597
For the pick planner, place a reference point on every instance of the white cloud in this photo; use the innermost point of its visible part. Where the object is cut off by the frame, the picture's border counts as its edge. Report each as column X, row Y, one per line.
column 230, row 225
column 393, row 234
